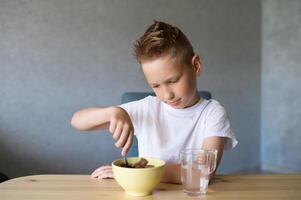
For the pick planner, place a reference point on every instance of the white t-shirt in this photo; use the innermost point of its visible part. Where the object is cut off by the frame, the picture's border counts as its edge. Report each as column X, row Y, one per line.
column 162, row 131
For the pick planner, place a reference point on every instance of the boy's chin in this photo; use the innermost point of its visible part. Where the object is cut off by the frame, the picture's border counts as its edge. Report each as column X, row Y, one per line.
column 177, row 106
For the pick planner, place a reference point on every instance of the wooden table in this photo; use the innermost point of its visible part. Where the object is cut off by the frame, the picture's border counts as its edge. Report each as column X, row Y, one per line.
column 63, row 187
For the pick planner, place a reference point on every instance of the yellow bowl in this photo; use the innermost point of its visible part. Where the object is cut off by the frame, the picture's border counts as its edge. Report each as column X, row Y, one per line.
column 138, row 181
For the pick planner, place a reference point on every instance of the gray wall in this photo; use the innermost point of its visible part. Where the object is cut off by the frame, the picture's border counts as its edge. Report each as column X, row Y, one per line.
column 59, row 56
column 281, row 94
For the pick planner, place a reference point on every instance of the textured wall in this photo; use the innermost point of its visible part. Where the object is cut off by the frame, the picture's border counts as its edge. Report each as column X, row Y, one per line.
column 281, row 96
column 62, row 55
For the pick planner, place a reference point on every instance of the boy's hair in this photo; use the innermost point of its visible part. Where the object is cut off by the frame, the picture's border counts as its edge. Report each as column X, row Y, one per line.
column 160, row 39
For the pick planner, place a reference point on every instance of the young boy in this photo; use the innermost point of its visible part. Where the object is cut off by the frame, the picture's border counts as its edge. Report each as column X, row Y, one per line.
column 176, row 118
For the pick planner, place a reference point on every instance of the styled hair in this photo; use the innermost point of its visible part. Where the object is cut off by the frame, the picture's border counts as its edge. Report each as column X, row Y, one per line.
column 160, row 39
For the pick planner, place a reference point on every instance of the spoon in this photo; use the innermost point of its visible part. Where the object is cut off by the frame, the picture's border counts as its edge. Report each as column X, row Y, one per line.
column 126, row 161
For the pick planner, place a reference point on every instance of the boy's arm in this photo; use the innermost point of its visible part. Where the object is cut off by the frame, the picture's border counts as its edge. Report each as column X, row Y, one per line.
column 116, row 119
column 172, row 172
column 212, row 143
column 92, row 119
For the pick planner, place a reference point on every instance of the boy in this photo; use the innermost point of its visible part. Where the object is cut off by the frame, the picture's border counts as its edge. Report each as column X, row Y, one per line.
column 176, row 118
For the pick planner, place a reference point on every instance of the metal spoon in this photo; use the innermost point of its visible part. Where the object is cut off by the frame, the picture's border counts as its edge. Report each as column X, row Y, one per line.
column 126, row 161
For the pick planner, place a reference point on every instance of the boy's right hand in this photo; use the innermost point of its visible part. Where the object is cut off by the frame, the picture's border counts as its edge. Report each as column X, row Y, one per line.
column 122, row 129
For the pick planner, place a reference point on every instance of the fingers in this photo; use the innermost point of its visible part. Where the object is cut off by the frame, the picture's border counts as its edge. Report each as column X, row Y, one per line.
column 128, row 144
column 103, row 172
column 122, row 129
column 117, row 132
column 100, row 169
column 122, row 134
column 123, row 137
column 112, row 126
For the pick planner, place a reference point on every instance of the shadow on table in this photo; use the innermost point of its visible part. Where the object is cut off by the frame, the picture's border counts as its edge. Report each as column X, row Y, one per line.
column 3, row 177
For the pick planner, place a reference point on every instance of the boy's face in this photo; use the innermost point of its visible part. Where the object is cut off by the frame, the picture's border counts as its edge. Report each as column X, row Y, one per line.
column 173, row 82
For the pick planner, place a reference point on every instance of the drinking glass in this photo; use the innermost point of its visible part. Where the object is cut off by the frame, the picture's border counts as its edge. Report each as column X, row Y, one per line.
column 196, row 167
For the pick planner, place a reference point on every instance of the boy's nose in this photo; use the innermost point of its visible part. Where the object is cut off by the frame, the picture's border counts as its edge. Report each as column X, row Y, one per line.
column 168, row 95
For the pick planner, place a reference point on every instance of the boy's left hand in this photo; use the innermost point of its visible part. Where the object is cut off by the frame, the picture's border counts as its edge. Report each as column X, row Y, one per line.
column 103, row 172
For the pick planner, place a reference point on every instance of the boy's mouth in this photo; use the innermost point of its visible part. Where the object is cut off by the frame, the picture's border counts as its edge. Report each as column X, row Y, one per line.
column 174, row 103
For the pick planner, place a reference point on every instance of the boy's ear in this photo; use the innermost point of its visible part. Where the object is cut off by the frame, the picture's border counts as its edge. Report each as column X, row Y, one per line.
column 197, row 64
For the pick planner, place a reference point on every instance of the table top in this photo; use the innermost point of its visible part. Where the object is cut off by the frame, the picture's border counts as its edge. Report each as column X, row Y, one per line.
column 274, row 186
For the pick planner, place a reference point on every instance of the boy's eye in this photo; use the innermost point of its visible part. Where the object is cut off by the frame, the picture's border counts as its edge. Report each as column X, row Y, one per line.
column 173, row 81
column 155, row 86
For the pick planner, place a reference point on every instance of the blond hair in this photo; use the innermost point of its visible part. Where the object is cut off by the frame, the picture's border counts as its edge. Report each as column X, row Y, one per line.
column 160, row 39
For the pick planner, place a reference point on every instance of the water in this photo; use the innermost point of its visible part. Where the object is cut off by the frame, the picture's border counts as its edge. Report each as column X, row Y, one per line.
column 195, row 178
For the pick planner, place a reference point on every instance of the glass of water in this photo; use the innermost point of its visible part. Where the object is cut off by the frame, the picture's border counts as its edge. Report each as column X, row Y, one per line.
column 196, row 167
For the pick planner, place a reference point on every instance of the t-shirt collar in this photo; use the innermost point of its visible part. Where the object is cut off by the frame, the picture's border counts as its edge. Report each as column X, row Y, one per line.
column 185, row 111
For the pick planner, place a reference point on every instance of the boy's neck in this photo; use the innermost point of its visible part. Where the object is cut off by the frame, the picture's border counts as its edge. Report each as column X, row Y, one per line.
column 195, row 101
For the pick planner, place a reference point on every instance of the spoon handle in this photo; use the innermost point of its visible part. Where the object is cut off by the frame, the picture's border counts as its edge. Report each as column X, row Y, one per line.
column 126, row 161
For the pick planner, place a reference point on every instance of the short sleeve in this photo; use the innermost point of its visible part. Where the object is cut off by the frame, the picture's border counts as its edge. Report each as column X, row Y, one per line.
column 218, row 124
column 131, row 108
